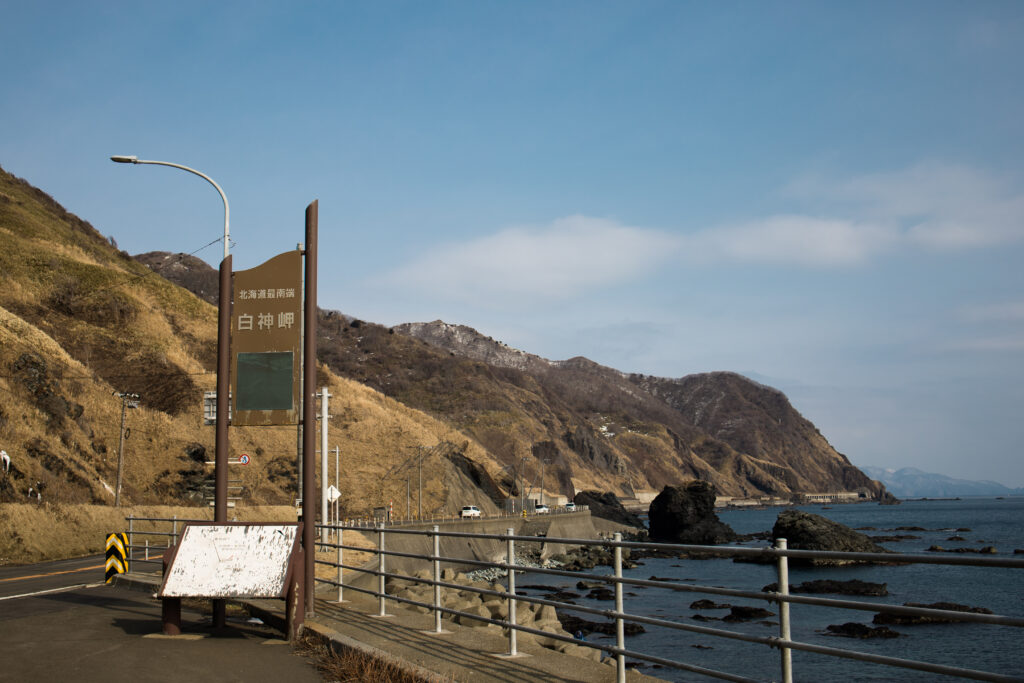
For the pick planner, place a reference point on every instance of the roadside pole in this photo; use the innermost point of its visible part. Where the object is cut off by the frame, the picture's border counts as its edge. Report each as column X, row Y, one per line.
column 309, row 410
column 324, row 394
column 222, row 448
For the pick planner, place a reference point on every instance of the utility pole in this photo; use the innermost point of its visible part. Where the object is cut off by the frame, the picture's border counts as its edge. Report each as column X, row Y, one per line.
column 522, row 484
column 419, row 500
column 128, row 400
column 543, row 462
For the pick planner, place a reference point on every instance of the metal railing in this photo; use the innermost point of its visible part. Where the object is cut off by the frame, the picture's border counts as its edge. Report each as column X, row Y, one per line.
column 145, row 535
column 780, row 555
column 371, row 522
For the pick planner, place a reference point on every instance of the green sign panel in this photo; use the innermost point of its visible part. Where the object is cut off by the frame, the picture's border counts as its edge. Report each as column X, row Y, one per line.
column 265, row 380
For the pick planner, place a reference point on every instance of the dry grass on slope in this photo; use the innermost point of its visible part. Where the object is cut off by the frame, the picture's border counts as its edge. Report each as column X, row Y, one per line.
column 41, row 532
column 380, row 439
column 61, row 424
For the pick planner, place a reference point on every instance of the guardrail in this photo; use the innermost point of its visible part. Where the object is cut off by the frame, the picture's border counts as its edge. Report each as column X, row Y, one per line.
column 780, row 554
column 142, row 530
column 436, row 518
column 146, row 539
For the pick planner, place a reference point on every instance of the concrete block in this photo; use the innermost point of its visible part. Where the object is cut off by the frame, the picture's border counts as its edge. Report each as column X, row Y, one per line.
column 546, row 613
column 498, row 608
column 478, row 610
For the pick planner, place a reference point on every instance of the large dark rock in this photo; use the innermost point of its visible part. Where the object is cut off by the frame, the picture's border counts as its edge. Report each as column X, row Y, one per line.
column 851, row 587
column 913, row 619
column 686, row 514
column 806, row 531
column 607, row 506
column 575, row 624
column 747, row 613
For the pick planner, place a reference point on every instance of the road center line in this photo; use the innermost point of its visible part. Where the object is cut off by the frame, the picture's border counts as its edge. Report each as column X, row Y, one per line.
column 40, row 576
column 53, row 590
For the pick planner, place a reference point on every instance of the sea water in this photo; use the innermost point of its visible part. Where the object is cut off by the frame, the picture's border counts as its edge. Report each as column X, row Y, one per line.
column 998, row 649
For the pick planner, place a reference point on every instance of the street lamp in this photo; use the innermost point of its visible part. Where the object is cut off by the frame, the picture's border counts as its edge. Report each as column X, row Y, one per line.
column 135, row 160
column 220, row 496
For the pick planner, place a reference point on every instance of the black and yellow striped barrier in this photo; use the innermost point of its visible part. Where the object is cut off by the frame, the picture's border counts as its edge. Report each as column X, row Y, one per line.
column 117, row 555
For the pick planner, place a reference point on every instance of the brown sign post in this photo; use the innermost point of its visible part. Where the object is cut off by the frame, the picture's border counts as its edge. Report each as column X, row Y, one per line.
column 272, row 332
column 309, row 407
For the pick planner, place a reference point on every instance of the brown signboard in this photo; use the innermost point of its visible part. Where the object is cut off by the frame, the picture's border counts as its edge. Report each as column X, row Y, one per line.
column 266, row 334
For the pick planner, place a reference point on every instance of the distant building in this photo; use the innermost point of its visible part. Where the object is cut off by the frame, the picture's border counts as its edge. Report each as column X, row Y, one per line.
column 837, row 497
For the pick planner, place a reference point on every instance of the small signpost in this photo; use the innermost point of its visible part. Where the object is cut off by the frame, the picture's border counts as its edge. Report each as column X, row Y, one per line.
column 234, row 560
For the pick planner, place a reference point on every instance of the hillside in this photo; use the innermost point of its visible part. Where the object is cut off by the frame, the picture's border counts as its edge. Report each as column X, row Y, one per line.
column 578, row 425
column 81, row 321
column 722, row 427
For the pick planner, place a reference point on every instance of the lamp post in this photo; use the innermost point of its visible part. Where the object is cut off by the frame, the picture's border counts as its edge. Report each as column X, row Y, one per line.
column 220, row 496
column 136, row 160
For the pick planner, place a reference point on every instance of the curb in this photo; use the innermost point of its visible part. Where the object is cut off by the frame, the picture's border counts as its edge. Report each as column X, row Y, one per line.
column 339, row 642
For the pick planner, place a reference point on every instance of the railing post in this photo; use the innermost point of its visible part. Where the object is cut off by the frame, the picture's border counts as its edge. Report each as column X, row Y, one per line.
column 340, row 539
column 174, row 531
column 511, row 561
column 380, row 567
column 784, row 630
column 147, row 550
column 620, row 631
column 131, row 535
column 437, row 578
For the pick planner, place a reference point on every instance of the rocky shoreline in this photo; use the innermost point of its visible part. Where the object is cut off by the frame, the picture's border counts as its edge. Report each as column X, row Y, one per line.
column 689, row 508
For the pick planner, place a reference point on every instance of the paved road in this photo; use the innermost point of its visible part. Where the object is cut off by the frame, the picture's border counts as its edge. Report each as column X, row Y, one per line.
column 46, row 576
column 96, row 632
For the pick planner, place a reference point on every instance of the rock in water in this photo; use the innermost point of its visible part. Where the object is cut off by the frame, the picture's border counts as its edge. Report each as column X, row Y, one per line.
column 854, row 630
column 851, row 587
column 686, row 514
column 607, row 506
column 806, row 531
column 913, row 619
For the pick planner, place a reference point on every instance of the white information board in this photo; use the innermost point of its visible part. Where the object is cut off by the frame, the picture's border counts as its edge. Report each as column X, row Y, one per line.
column 231, row 560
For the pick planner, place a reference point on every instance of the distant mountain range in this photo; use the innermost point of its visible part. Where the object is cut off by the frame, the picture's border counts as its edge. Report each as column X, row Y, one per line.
column 910, row 482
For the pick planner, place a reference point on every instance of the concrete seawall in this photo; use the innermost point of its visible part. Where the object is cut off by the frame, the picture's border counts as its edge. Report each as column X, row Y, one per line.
column 564, row 525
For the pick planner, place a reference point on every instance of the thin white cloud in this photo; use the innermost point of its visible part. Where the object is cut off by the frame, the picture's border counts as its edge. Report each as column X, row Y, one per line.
column 936, row 205
column 1008, row 343
column 561, row 260
column 1010, row 311
column 997, row 328
column 927, row 206
column 793, row 239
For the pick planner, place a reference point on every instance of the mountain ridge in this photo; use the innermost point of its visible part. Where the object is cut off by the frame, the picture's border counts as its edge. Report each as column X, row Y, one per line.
column 757, row 451
column 583, row 436
column 910, row 482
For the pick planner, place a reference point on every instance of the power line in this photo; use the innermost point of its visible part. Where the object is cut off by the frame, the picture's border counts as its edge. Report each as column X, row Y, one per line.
column 142, row 276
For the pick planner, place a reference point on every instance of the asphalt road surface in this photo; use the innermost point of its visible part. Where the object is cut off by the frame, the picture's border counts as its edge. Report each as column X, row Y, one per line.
column 46, row 576
column 59, row 621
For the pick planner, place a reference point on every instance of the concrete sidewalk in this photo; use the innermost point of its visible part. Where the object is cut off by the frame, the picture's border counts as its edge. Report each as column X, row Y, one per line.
column 406, row 639
column 96, row 633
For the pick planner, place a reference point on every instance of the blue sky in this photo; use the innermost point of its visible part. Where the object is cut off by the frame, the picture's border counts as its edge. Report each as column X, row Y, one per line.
column 828, row 197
